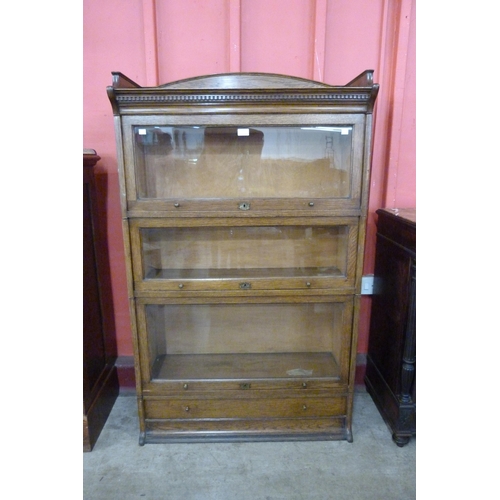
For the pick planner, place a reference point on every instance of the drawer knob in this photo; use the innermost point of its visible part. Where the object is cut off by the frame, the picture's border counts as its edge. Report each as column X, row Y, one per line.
column 181, row 285
column 177, row 205
column 185, row 386
column 308, row 284
column 304, row 385
column 304, row 407
column 311, row 203
column 186, row 408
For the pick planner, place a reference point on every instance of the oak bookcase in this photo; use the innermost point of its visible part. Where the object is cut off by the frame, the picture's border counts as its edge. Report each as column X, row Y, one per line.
column 244, row 201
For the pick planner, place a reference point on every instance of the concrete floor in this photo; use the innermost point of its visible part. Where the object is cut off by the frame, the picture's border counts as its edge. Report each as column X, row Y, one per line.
column 371, row 468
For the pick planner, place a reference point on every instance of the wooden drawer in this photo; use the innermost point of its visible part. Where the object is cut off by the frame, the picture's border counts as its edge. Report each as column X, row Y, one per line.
column 185, row 408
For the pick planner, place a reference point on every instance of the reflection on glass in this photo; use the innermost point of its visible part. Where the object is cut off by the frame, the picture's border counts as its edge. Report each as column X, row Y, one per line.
column 253, row 162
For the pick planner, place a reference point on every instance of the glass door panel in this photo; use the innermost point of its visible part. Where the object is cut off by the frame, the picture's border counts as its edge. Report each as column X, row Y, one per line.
column 239, row 341
column 225, row 252
column 209, row 162
column 227, row 256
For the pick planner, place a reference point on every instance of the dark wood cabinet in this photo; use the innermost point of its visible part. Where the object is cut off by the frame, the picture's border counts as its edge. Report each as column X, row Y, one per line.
column 244, row 201
column 391, row 360
column 100, row 381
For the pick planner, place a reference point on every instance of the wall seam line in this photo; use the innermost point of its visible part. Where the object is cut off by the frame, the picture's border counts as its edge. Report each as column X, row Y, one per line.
column 150, row 42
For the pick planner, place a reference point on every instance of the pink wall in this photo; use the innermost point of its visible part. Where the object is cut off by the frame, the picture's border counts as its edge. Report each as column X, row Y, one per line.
column 154, row 42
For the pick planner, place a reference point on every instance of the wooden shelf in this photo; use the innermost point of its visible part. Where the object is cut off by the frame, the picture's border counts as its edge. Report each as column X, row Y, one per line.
column 245, row 366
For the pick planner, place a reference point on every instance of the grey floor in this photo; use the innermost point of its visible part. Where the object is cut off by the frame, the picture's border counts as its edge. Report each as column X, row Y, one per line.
column 371, row 468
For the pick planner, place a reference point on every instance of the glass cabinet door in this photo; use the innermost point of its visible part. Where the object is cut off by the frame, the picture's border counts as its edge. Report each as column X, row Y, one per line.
column 228, row 256
column 235, row 162
column 217, row 341
column 185, row 165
